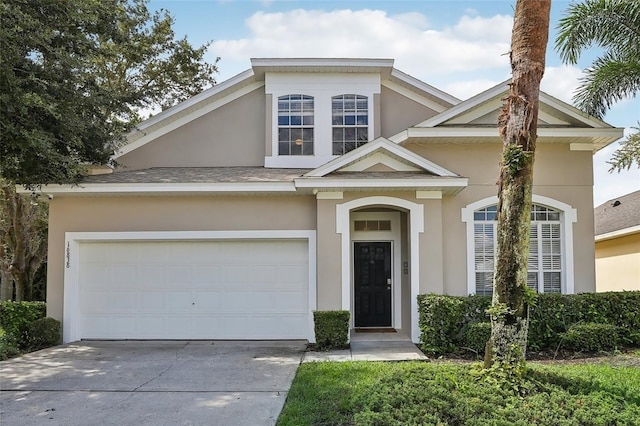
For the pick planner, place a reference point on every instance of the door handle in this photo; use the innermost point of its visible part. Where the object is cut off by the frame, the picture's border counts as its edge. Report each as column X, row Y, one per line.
column 388, row 283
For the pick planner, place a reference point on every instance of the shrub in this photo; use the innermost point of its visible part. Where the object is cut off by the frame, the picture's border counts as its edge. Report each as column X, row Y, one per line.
column 475, row 336
column 15, row 318
column 591, row 337
column 442, row 320
column 8, row 345
column 445, row 321
column 332, row 329
column 42, row 333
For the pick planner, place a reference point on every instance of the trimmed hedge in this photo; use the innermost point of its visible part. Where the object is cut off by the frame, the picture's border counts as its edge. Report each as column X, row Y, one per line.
column 591, row 337
column 449, row 323
column 332, row 329
column 15, row 318
column 42, row 333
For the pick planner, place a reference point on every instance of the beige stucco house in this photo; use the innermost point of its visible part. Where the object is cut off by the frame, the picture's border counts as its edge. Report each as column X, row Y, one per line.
column 617, row 229
column 310, row 184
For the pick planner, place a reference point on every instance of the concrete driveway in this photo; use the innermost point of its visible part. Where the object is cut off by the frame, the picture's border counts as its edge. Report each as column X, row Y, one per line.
column 150, row 383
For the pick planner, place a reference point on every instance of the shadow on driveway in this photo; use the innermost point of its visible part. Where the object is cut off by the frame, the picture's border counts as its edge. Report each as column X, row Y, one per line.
column 150, row 382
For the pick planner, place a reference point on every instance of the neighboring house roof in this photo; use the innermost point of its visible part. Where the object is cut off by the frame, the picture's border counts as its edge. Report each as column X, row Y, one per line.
column 618, row 217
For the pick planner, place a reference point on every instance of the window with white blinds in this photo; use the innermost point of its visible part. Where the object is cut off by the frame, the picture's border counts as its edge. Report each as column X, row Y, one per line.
column 545, row 249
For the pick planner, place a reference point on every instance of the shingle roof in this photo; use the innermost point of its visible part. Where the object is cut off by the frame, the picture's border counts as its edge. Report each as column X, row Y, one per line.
column 198, row 175
column 618, row 213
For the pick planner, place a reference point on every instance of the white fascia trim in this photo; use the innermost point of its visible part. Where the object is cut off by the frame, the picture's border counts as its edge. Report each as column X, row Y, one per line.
column 416, row 227
column 469, row 104
column 413, row 96
column 155, row 188
column 71, row 299
column 379, row 144
column 406, row 78
column 572, row 111
column 322, row 62
column 569, row 217
column 381, row 183
column 181, row 121
column 619, row 233
column 543, row 132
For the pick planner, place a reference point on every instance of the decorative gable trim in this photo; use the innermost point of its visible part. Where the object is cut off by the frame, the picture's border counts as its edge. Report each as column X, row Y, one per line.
column 499, row 91
column 380, row 145
column 380, row 158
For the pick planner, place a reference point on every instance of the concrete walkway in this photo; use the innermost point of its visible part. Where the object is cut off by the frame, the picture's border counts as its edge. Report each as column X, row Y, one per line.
column 150, row 383
column 372, row 347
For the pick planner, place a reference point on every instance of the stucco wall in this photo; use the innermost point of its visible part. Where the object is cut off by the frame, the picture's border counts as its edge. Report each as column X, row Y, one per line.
column 232, row 135
column 107, row 214
column 398, row 112
column 618, row 263
column 559, row 173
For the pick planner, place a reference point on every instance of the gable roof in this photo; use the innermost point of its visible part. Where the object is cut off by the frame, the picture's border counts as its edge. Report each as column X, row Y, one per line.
column 405, row 171
column 254, row 78
column 475, row 119
column 386, row 147
column 618, row 217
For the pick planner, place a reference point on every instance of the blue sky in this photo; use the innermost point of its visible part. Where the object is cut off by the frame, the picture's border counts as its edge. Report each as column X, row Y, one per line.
column 456, row 46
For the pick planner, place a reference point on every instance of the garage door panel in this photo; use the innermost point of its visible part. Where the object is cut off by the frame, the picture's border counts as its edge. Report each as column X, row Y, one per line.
column 194, row 289
column 206, row 274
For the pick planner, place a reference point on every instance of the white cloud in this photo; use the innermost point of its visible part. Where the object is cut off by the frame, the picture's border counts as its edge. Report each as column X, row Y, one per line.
column 473, row 44
column 466, row 89
column 561, row 82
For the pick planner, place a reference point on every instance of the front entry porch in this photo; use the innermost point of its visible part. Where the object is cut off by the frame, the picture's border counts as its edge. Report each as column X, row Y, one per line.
column 389, row 346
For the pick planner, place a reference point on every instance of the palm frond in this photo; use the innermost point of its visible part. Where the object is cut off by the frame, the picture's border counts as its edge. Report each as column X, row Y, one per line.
column 627, row 154
column 611, row 24
column 608, row 80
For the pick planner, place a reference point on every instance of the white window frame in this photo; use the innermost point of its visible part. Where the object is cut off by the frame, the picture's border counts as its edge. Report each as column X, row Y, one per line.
column 355, row 125
column 302, row 126
column 322, row 87
column 568, row 216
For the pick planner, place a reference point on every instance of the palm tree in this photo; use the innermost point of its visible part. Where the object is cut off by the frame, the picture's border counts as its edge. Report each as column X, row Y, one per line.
column 614, row 25
column 517, row 125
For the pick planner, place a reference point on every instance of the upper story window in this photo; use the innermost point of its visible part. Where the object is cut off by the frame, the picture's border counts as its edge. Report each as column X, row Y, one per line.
column 545, row 249
column 350, row 120
column 295, row 125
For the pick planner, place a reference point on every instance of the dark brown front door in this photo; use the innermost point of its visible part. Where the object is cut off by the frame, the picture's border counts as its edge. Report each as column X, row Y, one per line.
column 372, row 282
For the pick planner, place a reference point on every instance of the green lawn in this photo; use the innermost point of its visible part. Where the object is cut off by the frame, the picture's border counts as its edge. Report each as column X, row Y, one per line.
column 423, row 393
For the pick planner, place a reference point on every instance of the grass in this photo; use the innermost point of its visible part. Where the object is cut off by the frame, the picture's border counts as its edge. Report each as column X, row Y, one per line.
column 422, row 393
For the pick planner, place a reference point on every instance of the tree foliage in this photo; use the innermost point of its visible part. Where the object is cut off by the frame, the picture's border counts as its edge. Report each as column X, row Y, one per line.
column 628, row 153
column 613, row 25
column 74, row 76
column 23, row 243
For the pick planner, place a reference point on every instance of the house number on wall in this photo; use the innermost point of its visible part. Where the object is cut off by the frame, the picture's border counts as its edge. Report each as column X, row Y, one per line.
column 68, row 255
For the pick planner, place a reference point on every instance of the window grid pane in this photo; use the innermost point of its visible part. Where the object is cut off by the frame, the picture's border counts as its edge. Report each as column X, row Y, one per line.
column 545, row 249
column 350, row 119
column 295, row 125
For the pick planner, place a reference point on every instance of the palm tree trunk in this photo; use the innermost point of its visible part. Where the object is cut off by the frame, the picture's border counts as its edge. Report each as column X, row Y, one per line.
column 518, row 126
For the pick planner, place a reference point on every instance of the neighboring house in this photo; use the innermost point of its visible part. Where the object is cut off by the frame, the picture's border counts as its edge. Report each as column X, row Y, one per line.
column 311, row 184
column 617, row 229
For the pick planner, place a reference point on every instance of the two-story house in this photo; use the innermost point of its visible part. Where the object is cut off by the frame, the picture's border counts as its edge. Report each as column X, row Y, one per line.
column 311, row 184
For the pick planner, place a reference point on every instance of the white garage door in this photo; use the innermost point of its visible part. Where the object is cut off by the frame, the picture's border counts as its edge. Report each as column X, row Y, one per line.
column 238, row 289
